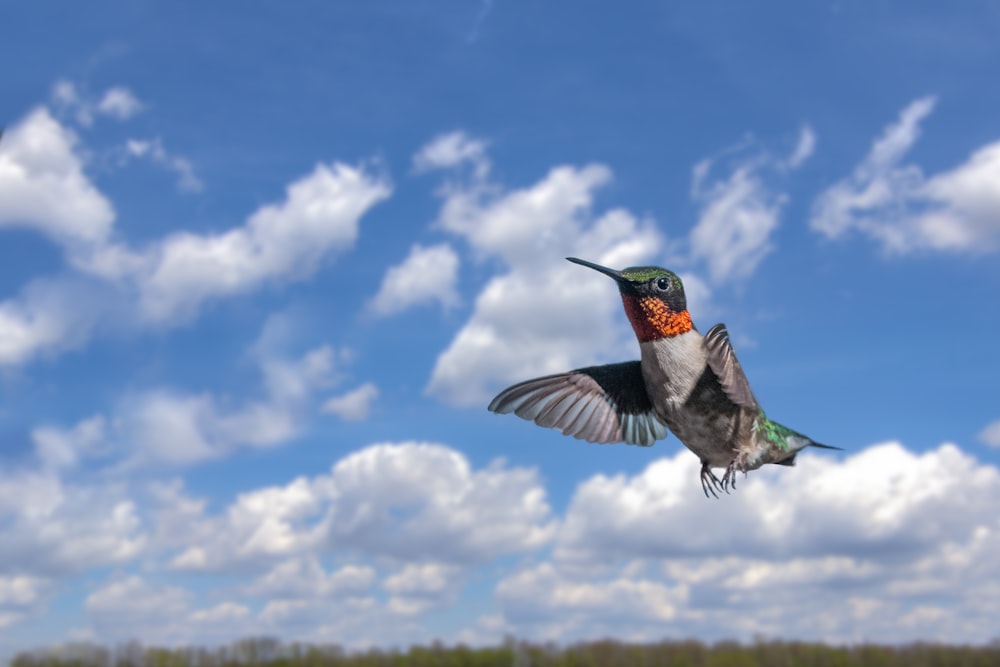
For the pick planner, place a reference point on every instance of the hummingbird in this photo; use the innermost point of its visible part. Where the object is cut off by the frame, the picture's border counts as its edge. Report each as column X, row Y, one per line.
column 691, row 384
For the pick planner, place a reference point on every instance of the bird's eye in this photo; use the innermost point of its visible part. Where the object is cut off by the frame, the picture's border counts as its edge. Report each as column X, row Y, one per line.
column 663, row 284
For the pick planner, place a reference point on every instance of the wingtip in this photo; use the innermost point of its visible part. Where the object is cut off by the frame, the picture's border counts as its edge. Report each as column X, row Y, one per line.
column 495, row 403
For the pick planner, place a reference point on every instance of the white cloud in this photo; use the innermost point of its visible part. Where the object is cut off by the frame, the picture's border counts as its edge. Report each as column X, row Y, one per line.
column 804, row 148
column 528, row 320
column 551, row 602
column 419, row 587
column 991, row 434
column 166, row 426
column 161, row 425
column 904, row 210
column 68, row 99
column 304, row 576
column 884, row 499
column 223, row 612
column 127, row 607
column 427, row 274
column 453, row 514
column 410, row 501
column 20, row 591
column 358, row 622
column 22, row 596
column 53, row 528
column 450, row 150
column 43, row 186
column 885, row 544
column 153, row 150
column 355, row 405
column 738, row 216
column 530, row 225
column 49, row 316
column 698, row 295
column 280, row 243
column 63, row 448
column 119, row 103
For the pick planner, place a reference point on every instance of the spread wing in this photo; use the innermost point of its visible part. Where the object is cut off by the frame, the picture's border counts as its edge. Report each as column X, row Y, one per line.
column 723, row 362
column 601, row 404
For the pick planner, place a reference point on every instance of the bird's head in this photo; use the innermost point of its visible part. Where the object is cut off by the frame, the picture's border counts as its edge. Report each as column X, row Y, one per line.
column 653, row 297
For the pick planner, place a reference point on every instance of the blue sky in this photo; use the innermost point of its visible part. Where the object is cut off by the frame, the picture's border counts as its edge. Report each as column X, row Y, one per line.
column 261, row 269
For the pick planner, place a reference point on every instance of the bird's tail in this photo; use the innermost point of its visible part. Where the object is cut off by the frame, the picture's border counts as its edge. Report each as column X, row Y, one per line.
column 800, row 442
column 813, row 443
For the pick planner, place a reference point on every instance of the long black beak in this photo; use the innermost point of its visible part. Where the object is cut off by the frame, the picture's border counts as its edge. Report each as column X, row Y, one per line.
column 611, row 273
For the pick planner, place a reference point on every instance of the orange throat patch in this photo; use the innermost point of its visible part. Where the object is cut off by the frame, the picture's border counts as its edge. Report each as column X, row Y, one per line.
column 652, row 319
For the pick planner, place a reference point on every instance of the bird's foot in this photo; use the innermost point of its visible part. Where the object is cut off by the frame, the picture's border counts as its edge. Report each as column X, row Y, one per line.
column 709, row 482
column 729, row 478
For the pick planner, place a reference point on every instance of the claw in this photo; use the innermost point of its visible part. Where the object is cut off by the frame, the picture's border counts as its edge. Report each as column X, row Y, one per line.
column 729, row 479
column 709, row 482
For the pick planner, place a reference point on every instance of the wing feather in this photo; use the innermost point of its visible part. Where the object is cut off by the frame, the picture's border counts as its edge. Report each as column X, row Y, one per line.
column 601, row 404
column 723, row 362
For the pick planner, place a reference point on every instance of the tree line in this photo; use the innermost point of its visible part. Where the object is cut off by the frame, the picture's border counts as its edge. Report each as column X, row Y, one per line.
column 269, row 652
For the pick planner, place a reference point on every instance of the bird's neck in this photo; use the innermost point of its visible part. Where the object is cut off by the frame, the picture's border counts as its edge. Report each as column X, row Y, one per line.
column 652, row 319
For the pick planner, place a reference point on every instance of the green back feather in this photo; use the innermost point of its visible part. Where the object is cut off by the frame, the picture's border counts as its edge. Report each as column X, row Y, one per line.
column 775, row 433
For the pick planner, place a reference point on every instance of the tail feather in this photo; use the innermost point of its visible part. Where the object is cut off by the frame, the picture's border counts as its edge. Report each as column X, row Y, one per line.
column 813, row 443
column 790, row 460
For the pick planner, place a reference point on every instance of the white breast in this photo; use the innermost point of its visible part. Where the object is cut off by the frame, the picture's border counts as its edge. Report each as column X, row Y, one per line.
column 672, row 367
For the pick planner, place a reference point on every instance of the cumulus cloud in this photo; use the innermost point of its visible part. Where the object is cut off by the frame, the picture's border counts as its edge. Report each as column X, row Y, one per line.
column 875, row 546
column 279, row 243
column 127, row 606
column 409, row 501
column 527, row 320
column 43, row 185
column 166, row 426
column 53, row 528
column 553, row 603
column 130, row 596
column 884, row 544
column 355, row 405
column 420, row 587
column 884, row 499
column 427, row 274
column 49, row 316
column 304, row 576
column 904, row 210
